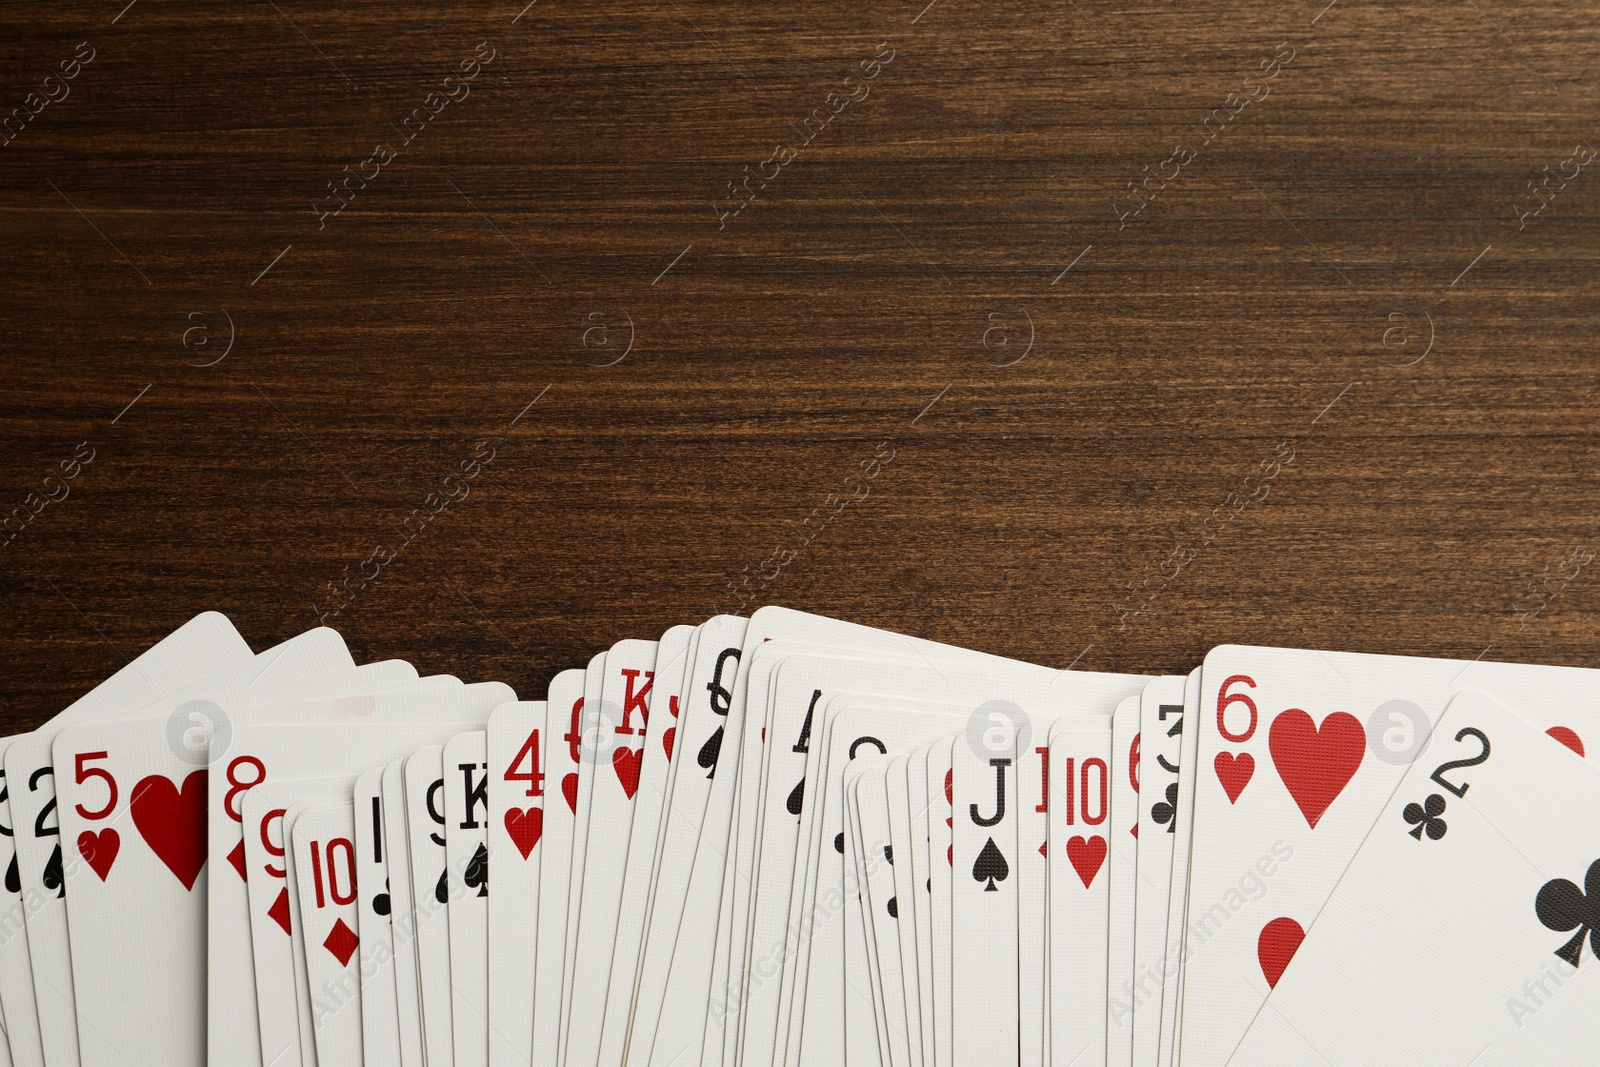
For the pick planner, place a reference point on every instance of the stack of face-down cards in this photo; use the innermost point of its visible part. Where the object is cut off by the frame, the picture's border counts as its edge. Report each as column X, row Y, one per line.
column 792, row 841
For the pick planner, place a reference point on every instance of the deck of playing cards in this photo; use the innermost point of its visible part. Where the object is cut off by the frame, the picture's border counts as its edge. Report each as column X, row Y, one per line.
column 791, row 841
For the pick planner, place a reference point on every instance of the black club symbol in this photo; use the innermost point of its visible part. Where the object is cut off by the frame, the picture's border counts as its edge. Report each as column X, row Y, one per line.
column 1165, row 811
column 1562, row 906
column 1426, row 817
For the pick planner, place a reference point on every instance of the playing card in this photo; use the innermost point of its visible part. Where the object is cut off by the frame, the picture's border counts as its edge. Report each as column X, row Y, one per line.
column 1170, row 975
column 1122, row 870
column 1080, row 780
column 852, row 728
column 1459, row 931
column 984, row 920
column 620, row 745
column 701, row 729
column 430, row 897
column 161, row 798
column 380, row 1015
column 867, row 1032
column 229, row 973
column 901, row 912
column 517, row 755
column 919, row 893
column 202, row 647
column 1298, row 753
column 562, row 755
column 324, row 850
column 1135, row 1008
column 588, row 738
column 941, row 886
column 402, row 915
column 664, row 701
column 277, row 946
column 466, row 846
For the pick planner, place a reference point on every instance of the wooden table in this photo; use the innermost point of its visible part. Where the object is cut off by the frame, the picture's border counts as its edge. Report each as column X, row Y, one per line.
column 1085, row 333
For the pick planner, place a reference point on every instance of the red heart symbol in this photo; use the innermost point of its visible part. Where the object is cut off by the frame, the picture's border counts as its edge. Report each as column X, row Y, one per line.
column 525, row 828
column 1276, row 946
column 625, row 761
column 667, row 738
column 1567, row 737
column 1087, row 856
column 1316, row 763
column 173, row 823
column 100, row 850
column 1234, row 772
column 569, row 789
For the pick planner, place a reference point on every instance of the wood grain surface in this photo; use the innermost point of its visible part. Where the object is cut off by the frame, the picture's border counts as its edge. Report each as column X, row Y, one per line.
column 940, row 372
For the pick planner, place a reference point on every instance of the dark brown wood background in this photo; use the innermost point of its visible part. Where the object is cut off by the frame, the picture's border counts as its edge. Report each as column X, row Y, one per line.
column 1341, row 273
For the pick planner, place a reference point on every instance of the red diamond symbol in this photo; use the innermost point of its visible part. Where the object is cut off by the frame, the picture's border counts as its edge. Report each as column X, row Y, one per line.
column 342, row 942
column 280, row 910
column 236, row 857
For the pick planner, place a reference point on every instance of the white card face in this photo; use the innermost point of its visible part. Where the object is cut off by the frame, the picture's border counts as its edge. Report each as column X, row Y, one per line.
column 702, row 731
column 380, row 1016
column 589, row 735
column 562, row 752
column 1171, row 976
column 797, row 679
column 1136, row 1007
column 325, row 876
column 466, row 845
column 402, row 916
column 901, row 917
column 277, row 752
column 430, row 886
column 984, row 901
column 1083, row 767
column 231, row 993
column 627, row 681
column 206, row 647
column 866, row 1028
column 919, row 893
column 684, row 1032
column 1298, row 753
column 794, row 682
column 779, row 821
column 16, row 970
column 518, row 773
column 941, row 848
column 855, row 727
column 1470, row 905
column 1122, row 867
column 664, row 703
column 277, row 961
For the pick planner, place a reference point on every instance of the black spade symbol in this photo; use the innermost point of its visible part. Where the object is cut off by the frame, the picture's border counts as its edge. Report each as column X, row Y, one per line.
column 53, row 878
column 709, row 752
column 796, row 796
column 477, row 873
column 991, row 867
column 13, row 877
column 894, row 907
column 441, row 892
column 838, row 844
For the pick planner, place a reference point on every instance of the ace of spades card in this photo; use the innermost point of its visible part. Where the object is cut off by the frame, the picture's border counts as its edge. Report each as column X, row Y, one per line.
column 1298, row 750
column 1475, row 900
